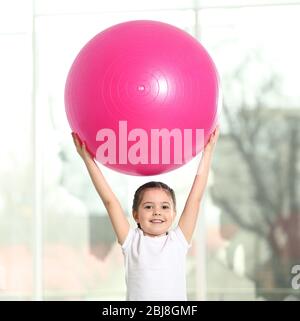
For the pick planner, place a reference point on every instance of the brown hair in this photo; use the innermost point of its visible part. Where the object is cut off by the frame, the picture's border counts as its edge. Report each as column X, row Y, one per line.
column 138, row 195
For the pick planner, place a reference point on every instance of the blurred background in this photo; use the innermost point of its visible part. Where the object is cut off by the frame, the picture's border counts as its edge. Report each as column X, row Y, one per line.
column 56, row 241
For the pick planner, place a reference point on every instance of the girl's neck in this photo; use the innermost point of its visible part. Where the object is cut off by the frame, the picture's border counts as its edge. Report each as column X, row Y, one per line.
column 152, row 235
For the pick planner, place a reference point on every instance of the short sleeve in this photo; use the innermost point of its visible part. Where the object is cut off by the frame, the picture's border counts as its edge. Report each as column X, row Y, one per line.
column 182, row 238
column 128, row 240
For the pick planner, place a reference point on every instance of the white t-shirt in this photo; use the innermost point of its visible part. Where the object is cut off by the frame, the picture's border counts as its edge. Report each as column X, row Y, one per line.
column 155, row 266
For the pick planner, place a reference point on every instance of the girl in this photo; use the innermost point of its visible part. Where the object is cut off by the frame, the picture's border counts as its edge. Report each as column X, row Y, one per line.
column 154, row 256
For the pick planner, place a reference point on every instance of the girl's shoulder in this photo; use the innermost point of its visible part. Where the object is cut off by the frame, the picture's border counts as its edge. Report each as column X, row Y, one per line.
column 131, row 233
column 177, row 234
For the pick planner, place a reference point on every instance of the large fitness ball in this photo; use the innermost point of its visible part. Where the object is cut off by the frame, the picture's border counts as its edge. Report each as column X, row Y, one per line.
column 143, row 96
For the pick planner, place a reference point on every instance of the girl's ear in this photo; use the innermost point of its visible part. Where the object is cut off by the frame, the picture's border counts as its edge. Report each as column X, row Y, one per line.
column 135, row 216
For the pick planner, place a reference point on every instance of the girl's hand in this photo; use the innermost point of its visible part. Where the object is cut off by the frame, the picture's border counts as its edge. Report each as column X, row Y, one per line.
column 208, row 149
column 81, row 148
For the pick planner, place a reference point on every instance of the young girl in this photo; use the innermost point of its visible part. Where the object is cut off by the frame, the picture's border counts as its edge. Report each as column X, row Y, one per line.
column 154, row 255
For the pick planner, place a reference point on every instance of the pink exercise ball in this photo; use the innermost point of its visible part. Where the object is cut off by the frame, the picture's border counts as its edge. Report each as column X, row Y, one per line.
column 139, row 93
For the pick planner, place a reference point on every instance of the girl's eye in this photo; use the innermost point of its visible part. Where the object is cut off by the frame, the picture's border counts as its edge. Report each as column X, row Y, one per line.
column 148, row 207
column 165, row 207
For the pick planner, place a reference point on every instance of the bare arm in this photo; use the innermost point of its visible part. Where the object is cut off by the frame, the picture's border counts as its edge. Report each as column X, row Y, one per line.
column 189, row 216
column 117, row 216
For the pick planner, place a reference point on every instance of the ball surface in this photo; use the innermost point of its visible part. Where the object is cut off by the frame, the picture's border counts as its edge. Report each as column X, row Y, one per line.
column 138, row 92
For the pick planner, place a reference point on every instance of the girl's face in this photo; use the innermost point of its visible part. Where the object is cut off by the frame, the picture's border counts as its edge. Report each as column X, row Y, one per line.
column 156, row 212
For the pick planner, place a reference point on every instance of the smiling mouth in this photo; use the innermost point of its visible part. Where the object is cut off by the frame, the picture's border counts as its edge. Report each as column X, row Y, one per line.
column 156, row 221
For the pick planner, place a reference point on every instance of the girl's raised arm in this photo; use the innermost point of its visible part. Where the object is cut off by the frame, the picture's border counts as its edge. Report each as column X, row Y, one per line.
column 188, row 218
column 117, row 215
